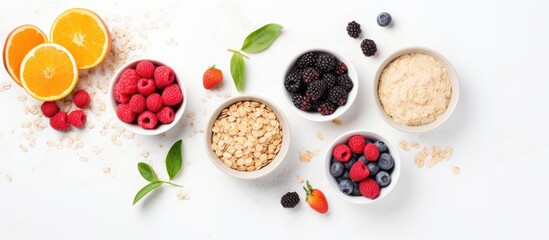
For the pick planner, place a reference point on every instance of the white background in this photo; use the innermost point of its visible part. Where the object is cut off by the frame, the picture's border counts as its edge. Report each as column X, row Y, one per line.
column 498, row 131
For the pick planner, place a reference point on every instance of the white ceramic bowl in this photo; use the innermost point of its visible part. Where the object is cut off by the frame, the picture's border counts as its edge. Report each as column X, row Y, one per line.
column 134, row 127
column 286, row 136
column 343, row 138
column 451, row 76
column 314, row 116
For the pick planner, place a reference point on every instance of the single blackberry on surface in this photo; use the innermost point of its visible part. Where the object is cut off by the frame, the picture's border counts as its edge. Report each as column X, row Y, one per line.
column 325, row 63
column 309, row 75
column 307, row 60
column 330, row 80
column 345, row 82
column 292, row 83
column 289, row 200
column 368, row 47
column 301, row 102
column 353, row 29
column 337, row 95
column 340, row 68
column 326, row 108
column 315, row 90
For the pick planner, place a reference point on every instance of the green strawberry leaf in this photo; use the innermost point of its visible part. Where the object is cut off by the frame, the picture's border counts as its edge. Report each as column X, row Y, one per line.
column 237, row 71
column 261, row 38
column 174, row 159
column 149, row 187
column 147, row 172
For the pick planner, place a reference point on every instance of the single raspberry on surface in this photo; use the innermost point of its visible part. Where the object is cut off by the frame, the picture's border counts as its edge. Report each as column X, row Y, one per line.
column 163, row 76
column 145, row 69
column 124, row 113
column 172, row 95
column 120, row 97
column 359, row 171
column 146, row 86
column 371, row 152
column 77, row 118
column 342, row 153
column 165, row 115
column 137, row 103
column 60, row 121
column 127, row 84
column 147, row 120
column 357, row 143
column 81, row 98
column 49, row 109
column 154, row 102
column 369, row 188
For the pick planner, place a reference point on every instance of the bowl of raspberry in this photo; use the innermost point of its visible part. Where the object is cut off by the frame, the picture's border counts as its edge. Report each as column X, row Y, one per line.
column 361, row 166
column 320, row 85
column 147, row 97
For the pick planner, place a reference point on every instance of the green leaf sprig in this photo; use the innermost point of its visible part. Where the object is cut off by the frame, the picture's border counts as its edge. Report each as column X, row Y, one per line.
column 255, row 42
column 174, row 163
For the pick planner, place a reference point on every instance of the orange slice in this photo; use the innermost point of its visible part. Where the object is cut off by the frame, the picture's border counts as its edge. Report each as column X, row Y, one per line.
column 49, row 72
column 18, row 43
column 84, row 34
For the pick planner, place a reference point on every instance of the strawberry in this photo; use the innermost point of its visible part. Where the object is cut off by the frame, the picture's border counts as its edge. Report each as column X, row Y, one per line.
column 212, row 77
column 316, row 199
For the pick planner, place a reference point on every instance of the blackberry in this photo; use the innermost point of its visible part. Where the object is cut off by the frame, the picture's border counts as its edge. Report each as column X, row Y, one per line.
column 337, row 95
column 301, row 102
column 325, row 63
column 369, row 47
column 309, row 75
column 292, row 83
column 353, row 29
column 307, row 60
column 326, row 108
column 315, row 105
column 340, row 68
column 289, row 200
column 345, row 82
column 315, row 90
column 330, row 80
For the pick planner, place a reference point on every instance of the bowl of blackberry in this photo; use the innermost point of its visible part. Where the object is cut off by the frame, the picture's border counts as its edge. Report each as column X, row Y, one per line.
column 320, row 85
column 361, row 166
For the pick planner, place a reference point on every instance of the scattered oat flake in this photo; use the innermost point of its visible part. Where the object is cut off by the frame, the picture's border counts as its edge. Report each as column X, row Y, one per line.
column 300, row 179
column 307, row 156
column 22, row 98
column 456, row 170
column 419, row 160
column 404, row 145
column 107, row 170
column 8, row 178
column 414, row 144
column 447, row 153
column 23, row 148
column 145, row 154
column 336, row 122
column 182, row 195
column 436, row 157
column 320, row 136
column 83, row 159
column 50, row 143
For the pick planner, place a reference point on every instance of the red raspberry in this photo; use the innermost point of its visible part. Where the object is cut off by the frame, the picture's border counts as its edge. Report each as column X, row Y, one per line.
column 172, row 95
column 163, row 76
column 154, row 102
column 359, row 171
column 357, row 143
column 60, row 122
column 127, row 84
column 369, row 188
column 49, row 109
column 81, row 98
column 145, row 69
column 77, row 118
column 342, row 153
column 165, row 115
column 124, row 113
column 137, row 103
column 371, row 152
column 120, row 97
column 146, row 86
column 147, row 120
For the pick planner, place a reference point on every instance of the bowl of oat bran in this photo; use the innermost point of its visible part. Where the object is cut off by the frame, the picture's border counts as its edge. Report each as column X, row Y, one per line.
column 416, row 89
column 247, row 137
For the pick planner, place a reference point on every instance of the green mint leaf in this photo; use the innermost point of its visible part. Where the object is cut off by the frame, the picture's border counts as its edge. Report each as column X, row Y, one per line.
column 145, row 190
column 261, row 38
column 237, row 71
column 174, row 159
column 147, row 172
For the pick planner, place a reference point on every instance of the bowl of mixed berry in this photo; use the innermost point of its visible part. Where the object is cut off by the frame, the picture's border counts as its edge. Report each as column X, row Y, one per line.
column 320, row 85
column 361, row 166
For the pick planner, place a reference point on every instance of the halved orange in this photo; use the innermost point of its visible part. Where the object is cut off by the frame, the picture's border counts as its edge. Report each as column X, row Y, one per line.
column 49, row 72
column 84, row 34
column 18, row 43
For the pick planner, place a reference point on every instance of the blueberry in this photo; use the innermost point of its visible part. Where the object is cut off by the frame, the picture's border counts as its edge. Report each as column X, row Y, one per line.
column 384, row 19
column 363, row 158
column 386, row 161
column 383, row 179
column 345, row 176
column 373, row 167
column 382, row 146
column 336, row 169
column 356, row 190
column 349, row 164
column 346, row 186
column 356, row 155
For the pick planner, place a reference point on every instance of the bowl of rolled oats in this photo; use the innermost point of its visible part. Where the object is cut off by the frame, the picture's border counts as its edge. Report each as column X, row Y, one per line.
column 416, row 89
column 247, row 137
